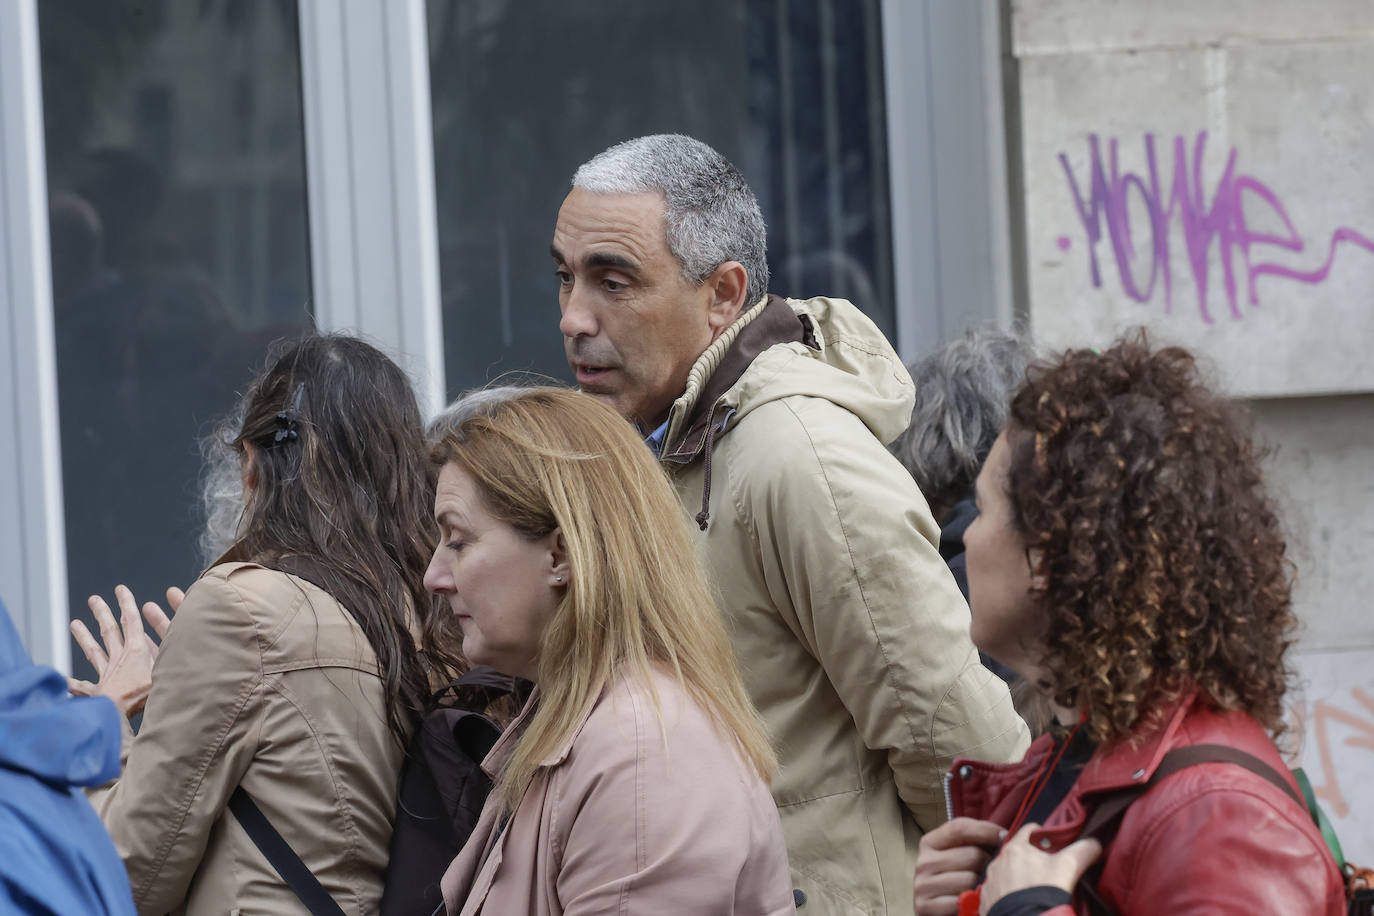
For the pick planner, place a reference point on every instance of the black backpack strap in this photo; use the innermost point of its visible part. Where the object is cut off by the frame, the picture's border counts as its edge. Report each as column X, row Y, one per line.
column 480, row 687
column 282, row 857
column 1106, row 816
column 1183, row 757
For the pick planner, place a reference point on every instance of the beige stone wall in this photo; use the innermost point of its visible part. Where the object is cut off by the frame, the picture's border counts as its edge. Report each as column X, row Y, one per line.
column 1203, row 169
column 1322, row 472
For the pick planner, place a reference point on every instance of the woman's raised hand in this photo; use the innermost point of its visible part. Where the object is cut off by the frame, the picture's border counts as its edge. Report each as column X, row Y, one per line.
column 157, row 618
column 950, row 860
column 124, row 665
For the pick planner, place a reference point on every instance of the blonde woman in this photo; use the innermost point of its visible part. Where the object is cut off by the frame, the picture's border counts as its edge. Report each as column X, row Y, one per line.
column 635, row 779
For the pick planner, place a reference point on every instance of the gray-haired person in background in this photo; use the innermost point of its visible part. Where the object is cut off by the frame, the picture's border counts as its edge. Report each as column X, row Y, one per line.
column 468, row 405
column 963, row 392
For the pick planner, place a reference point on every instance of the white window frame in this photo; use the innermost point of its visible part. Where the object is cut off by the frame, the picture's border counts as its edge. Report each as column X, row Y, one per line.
column 947, row 166
column 374, row 256
column 33, row 554
column 374, row 241
column 370, row 177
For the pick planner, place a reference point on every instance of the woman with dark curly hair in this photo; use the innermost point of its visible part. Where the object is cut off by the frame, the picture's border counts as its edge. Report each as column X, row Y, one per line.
column 1127, row 560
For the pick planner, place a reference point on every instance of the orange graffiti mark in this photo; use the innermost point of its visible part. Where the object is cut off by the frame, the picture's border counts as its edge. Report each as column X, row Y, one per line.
column 1363, row 699
column 1322, row 713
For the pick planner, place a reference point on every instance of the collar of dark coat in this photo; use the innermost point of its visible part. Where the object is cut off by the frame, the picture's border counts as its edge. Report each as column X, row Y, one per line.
column 953, row 526
column 773, row 324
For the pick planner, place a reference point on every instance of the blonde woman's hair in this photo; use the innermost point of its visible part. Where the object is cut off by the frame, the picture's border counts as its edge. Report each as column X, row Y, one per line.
column 550, row 458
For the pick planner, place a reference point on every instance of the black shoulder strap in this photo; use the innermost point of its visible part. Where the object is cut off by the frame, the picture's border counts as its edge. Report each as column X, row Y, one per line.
column 480, row 687
column 1106, row 816
column 1183, row 757
column 1102, row 823
column 283, row 858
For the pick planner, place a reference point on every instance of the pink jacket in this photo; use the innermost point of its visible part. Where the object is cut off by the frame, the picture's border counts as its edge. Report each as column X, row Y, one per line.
column 1212, row 838
column 618, row 822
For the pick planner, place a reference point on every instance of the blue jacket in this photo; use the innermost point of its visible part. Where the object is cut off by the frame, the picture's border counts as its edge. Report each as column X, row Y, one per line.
column 55, row 856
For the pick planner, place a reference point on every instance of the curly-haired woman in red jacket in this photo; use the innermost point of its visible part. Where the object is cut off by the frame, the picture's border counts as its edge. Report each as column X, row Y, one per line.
column 1128, row 560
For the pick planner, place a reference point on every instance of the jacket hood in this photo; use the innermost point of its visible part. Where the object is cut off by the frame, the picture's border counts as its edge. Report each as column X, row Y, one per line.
column 780, row 348
column 46, row 732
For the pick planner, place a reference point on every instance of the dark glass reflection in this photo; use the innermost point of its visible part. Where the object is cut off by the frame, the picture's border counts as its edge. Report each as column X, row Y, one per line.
column 525, row 90
column 180, row 249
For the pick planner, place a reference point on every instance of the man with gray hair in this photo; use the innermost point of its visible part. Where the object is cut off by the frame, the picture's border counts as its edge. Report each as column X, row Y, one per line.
column 771, row 416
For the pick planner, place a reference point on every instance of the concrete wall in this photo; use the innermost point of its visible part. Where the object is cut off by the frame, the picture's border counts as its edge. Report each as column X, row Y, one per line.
column 1322, row 472
column 1264, row 263
column 1194, row 172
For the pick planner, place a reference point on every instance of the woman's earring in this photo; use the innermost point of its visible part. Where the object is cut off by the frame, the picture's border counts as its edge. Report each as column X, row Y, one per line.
column 559, row 580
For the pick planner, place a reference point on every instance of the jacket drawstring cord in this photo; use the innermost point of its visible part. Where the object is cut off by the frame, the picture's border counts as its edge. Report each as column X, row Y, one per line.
column 704, row 515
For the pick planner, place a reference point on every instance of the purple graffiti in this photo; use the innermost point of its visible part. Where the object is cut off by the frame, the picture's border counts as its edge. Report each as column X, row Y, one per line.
column 1220, row 220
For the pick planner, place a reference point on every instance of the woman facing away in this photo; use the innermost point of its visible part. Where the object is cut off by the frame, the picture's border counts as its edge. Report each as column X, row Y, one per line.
column 635, row 778
column 292, row 668
column 1127, row 559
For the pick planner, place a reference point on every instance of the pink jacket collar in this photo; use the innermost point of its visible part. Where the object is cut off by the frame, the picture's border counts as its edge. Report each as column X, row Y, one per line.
column 504, row 748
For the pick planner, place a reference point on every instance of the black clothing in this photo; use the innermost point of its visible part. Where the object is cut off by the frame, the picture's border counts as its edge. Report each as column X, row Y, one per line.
column 1031, row 901
column 952, row 528
column 1062, row 777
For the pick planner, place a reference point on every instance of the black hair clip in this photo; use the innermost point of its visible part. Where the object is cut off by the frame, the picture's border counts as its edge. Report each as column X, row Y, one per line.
column 287, row 422
column 286, row 428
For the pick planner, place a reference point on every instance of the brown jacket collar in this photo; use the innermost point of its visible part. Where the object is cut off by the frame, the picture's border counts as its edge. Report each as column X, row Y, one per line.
column 769, row 323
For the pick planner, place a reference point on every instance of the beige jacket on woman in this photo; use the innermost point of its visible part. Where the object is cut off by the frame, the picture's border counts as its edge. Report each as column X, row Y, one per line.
column 267, row 682
column 620, row 822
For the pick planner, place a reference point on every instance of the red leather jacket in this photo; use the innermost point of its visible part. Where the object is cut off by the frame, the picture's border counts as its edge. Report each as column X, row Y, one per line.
column 1212, row 838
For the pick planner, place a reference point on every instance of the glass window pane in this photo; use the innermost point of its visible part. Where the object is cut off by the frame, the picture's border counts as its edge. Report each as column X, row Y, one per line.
column 180, row 249
column 524, row 91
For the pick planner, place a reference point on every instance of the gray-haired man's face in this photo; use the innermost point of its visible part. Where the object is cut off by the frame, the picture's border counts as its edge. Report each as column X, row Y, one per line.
column 632, row 326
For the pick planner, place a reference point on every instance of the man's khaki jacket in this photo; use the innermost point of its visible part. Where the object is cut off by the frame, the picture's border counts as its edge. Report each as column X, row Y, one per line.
column 851, row 634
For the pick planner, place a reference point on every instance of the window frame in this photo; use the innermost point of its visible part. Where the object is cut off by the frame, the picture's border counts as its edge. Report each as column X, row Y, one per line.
column 33, row 559
column 373, row 252
column 952, row 228
column 374, row 243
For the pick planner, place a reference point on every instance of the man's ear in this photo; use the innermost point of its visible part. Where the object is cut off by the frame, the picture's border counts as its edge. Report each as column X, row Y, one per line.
column 729, row 284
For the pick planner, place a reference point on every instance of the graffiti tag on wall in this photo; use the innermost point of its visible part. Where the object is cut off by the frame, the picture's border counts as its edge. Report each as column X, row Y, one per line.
column 1357, row 724
column 1141, row 250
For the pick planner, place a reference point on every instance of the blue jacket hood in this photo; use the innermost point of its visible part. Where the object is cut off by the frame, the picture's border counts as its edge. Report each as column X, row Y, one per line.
column 46, row 732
